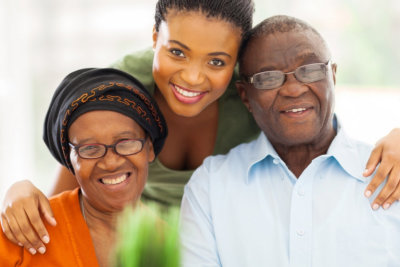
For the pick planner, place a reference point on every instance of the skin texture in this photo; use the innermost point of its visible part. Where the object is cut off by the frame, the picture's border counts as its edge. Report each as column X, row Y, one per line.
column 102, row 203
column 298, row 137
column 196, row 54
column 192, row 127
column 108, row 127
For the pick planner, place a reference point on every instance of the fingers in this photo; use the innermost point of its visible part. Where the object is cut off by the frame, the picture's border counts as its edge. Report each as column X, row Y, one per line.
column 22, row 229
column 387, row 152
column 37, row 225
column 392, row 190
column 18, row 234
column 45, row 209
column 392, row 198
column 373, row 160
column 378, row 178
column 7, row 231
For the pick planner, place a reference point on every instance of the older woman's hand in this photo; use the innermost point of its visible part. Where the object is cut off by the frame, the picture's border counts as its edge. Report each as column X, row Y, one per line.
column 20, row 216
column 387, row 153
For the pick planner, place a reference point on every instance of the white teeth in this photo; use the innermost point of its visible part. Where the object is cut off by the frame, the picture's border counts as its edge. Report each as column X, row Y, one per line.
column 296, row 110
column 186, row 93
column 114, row 180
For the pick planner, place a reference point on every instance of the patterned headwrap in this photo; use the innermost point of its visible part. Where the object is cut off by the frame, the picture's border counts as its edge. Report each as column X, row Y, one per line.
column 99, row 89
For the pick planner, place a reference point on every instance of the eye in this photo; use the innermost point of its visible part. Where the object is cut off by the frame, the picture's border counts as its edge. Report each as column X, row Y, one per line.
column 177, row 52
column 90, row 149
column 217, row 62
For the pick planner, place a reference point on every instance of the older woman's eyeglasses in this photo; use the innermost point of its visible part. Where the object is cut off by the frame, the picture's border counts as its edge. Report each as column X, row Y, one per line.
column 273, row 79
column 125, row 147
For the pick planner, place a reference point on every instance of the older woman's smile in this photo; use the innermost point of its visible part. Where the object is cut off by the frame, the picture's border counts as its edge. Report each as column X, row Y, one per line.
column 114, row 180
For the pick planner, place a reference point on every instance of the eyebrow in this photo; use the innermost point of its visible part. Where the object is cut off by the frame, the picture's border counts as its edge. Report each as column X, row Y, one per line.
column 219, row 53
column 303, row 57
column 115, row 138
column 308, row 56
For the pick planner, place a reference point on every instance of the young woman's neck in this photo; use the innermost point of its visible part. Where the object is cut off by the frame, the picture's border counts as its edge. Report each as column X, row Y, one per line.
column 190, row 139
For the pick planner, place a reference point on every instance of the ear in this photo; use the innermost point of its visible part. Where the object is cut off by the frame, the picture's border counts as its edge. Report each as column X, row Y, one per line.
column 334, row 68
column 151, row 153
column 241, row 87
column 155, row 36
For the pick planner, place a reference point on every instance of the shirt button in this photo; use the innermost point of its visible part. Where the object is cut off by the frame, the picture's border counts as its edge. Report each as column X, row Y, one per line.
column 301, row 192
column 300, row 232
column 276, row 161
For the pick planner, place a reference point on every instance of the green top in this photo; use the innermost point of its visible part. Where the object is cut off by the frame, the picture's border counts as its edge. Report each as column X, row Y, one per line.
column 235, row 126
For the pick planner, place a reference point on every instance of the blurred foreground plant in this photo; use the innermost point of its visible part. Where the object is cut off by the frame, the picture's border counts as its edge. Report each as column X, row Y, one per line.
column 148, row 238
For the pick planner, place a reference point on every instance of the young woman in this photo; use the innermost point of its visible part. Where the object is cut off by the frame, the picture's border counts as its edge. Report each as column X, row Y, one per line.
column 105, row 128
column 189, row 73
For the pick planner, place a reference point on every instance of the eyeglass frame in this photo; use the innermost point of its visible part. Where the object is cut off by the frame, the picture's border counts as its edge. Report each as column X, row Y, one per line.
column 113, row 146
column 251, row 78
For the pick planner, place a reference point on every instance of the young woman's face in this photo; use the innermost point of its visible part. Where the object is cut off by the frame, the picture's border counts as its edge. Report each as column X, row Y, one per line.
column 194, row 60
column 111, row 181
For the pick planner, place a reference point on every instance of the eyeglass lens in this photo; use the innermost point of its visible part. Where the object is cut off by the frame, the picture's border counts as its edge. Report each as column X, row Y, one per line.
column 305, row 74
column 123, row 147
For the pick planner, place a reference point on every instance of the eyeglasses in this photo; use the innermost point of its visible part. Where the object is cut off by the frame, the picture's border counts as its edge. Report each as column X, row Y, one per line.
column 267, row 80
column 124, row 147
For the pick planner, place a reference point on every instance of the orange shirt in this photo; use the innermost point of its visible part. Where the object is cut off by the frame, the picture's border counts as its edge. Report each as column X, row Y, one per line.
column 70, row 241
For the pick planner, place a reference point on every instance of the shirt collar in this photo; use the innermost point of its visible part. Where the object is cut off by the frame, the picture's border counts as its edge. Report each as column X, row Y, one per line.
column 343, row 149
column 261, row 149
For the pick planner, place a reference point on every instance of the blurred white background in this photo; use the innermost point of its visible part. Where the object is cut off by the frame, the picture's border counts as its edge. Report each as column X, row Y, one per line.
column 43, row 40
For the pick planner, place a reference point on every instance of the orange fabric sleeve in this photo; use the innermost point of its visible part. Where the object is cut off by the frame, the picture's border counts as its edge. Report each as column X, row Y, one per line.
column 70, row 241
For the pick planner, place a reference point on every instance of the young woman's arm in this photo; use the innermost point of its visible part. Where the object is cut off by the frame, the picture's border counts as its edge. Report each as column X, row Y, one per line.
column 387, row 154
column 23, row 204
column 65, row 180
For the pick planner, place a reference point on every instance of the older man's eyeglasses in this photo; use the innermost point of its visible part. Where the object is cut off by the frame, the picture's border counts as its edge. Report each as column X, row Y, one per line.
column 125, row 147
column 273, row 79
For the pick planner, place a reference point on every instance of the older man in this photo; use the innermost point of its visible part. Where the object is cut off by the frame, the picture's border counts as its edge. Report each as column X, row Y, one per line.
column 294, row 196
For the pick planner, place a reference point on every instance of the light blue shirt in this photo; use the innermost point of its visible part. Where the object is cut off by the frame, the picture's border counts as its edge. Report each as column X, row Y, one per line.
column 248, row 209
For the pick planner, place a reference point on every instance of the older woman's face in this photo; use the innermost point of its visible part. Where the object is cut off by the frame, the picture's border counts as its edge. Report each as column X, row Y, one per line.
column 112, row 181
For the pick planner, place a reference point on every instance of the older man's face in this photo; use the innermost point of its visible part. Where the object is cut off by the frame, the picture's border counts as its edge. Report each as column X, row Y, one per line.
column 295, row 113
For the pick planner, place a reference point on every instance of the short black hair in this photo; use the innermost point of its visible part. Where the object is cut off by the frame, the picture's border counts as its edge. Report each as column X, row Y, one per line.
column 279, row 23
column 237, row 12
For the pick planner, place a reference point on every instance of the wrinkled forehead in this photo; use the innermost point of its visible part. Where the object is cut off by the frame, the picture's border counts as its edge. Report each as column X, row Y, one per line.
column 284, row 50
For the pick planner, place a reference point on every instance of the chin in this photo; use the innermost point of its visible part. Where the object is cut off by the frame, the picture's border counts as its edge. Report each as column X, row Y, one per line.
column 294, row 137
column 188, row 112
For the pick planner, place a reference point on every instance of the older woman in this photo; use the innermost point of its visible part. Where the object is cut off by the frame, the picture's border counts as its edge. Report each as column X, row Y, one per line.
column 105, row 128
column 190, row 72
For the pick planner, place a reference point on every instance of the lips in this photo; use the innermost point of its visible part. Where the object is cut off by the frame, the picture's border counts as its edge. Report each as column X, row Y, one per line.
column 295, row 110
column 187, row 96
column 114, row 180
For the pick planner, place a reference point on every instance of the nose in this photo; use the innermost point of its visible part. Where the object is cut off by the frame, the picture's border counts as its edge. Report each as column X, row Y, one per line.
column 193, row 74
column 292, row 87
column 111, row 160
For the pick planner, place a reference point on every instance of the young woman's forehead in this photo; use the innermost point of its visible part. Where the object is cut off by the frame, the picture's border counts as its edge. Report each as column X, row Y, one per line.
column 174, row 13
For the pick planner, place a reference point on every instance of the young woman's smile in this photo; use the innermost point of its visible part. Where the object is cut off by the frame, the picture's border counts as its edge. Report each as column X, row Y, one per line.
column 187, row 96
